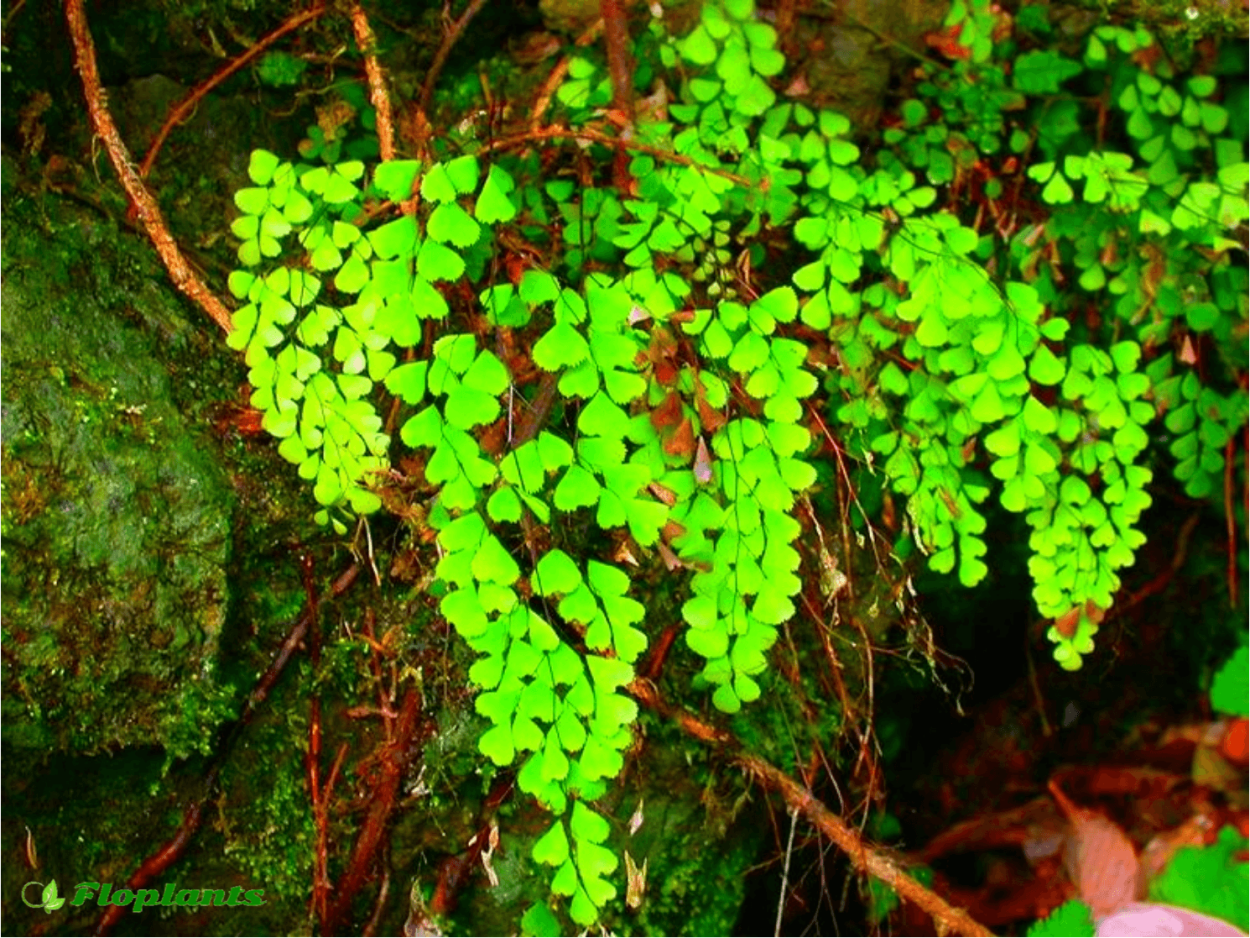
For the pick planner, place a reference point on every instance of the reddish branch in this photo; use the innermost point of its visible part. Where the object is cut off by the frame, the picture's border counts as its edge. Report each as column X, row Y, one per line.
column 455, row 872
column 384, row 795
column 182, row 110
column 620, row 62
column 621, row 74
column 184, row 278
column 377, row 83
column 321, row 818
column 312, row 759
column 867, row 859
column 162, row 859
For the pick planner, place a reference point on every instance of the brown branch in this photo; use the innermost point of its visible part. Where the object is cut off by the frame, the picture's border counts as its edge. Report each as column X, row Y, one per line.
column 161, row 860
column 377, row 83
column 312, row 758
column 864, row 857
column 540, row 410
column 183, row 108
column 321, row 817
column 440, row 58
column 785, row 21
column 184, row 278
column 621, row 74
column 383, row 797
column 620, row 62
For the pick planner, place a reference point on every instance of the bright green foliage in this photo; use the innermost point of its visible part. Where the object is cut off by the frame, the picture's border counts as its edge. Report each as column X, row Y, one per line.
column 1229, row 691
column 1064, row 424
column 1073, row 918
column 687, row 399
column 1210, row 879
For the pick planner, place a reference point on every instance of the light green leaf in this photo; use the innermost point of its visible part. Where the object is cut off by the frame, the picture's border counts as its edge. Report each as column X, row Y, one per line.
column 988, row 406
column 556, row 573
column 439, row 262
column 504, row 505
column 487, row 374
column 395, row 178
column 1045, row 368
column 1057, row 191
column 553, row 847
column 496, row 744
column 450, row 223
column 493, row 563
column 577, row 489
column 699, row 47
column 700, row 612
column 588, row 826
column 562, row 347
column 261, row 167
column 493, row 203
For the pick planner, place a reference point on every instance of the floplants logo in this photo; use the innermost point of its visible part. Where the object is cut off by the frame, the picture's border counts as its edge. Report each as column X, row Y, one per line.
column 139, row 899
column 49, row 901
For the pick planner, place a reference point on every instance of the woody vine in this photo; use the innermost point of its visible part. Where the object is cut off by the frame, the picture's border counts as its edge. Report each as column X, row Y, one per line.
column 1013, row 298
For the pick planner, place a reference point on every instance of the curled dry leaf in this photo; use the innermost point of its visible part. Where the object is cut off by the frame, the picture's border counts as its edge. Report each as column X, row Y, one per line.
column 1099, row 858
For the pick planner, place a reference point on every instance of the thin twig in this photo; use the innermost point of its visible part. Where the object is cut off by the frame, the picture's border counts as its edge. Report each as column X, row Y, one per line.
column 866, row 858
column 377, row 83
column 183, row 108
column 1245, row 471
column 321, row 818
column 863, row 857
column 440, row 58
column 785, row 872
column 184, row 278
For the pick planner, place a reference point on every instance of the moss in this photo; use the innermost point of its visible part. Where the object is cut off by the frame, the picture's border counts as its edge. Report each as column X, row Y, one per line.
column 116, row 547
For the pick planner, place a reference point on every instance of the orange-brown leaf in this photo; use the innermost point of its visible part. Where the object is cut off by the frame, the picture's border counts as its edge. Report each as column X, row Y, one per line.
column 681, row 443
column 669, row 413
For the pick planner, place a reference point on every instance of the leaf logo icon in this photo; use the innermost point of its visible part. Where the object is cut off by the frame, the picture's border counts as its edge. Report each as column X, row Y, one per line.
column 50, row 900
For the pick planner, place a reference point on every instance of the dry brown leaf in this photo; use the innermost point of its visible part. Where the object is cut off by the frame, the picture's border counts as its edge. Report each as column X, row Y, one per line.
column 1099, row 857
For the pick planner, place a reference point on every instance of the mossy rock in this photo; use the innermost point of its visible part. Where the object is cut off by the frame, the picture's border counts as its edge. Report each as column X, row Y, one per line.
column 116, row 516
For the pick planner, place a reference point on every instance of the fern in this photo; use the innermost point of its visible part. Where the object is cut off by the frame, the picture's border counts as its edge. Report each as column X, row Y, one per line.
column 675, row 398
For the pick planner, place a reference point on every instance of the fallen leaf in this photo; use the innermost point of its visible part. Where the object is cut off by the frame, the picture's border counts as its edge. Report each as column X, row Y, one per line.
column 1099, row 858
